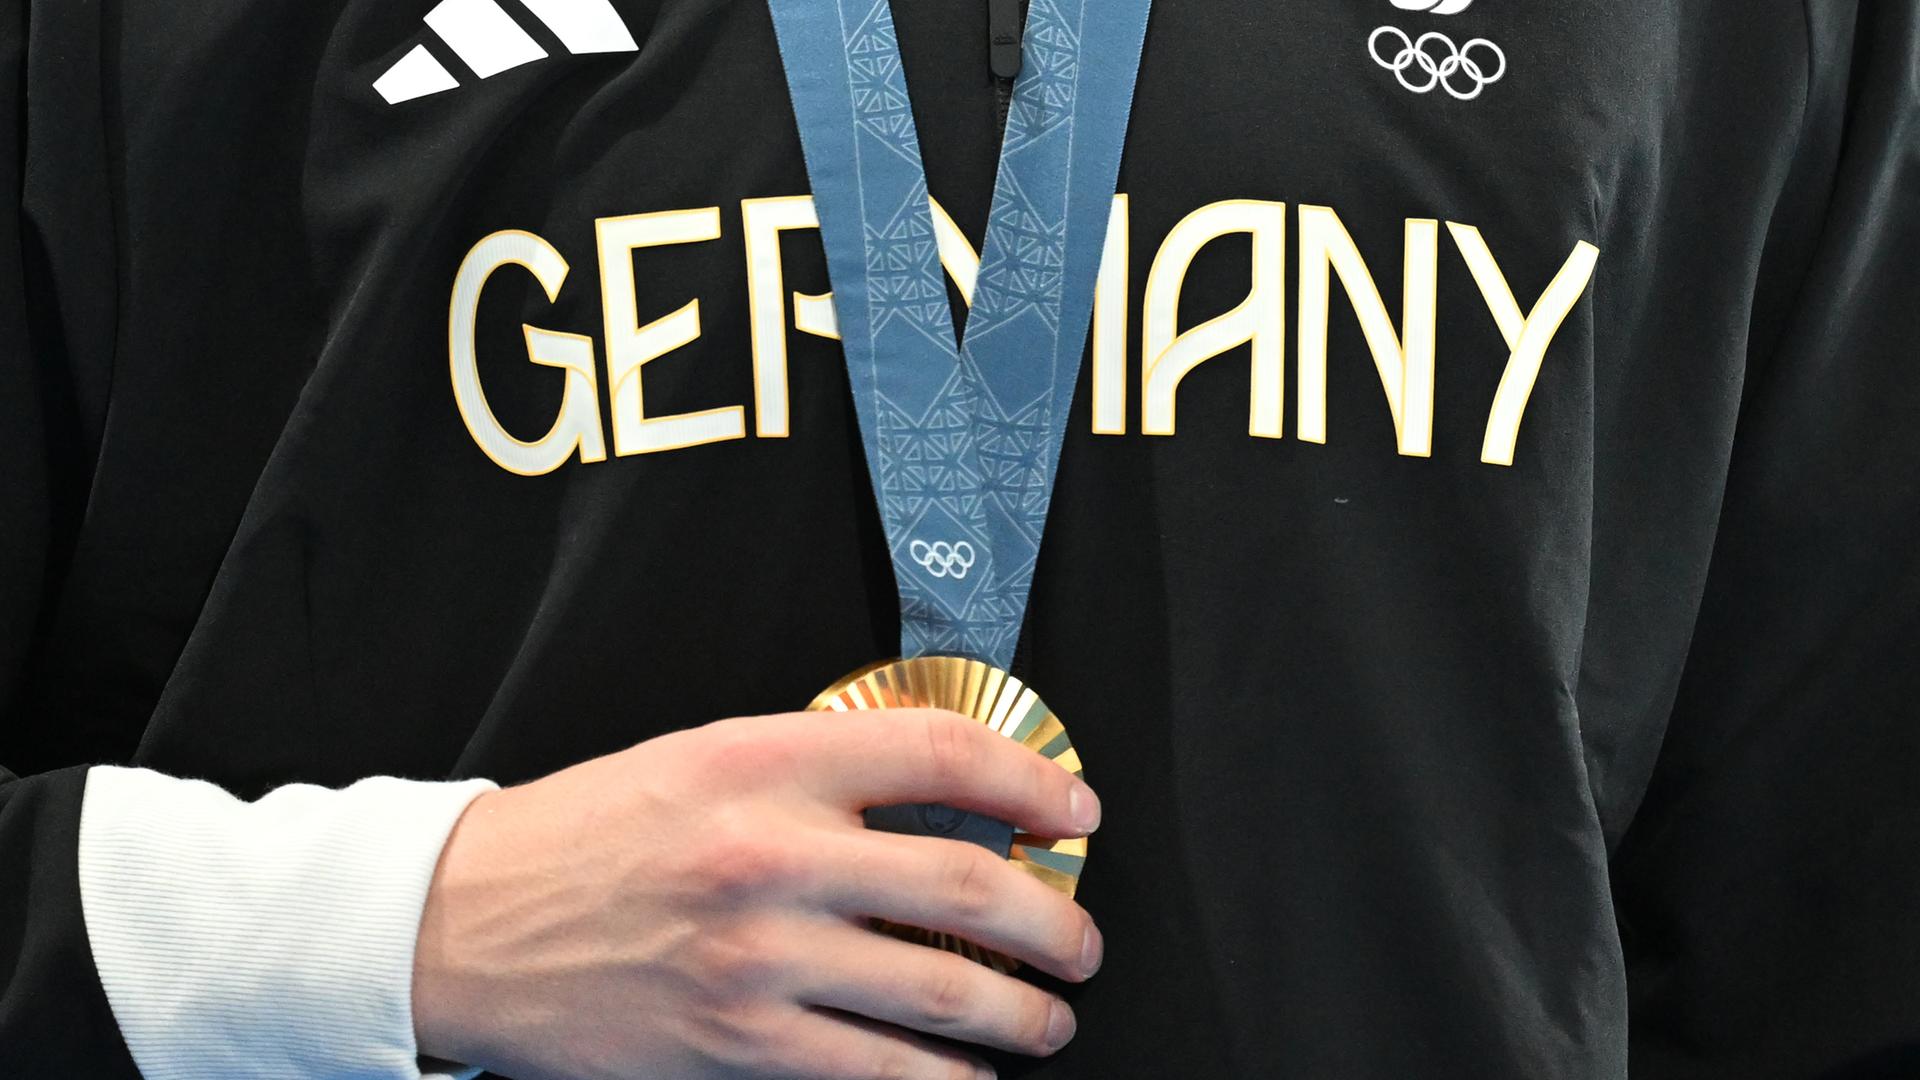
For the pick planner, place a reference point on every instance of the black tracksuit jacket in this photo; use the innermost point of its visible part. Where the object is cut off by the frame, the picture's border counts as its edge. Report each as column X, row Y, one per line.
column 1515, row 708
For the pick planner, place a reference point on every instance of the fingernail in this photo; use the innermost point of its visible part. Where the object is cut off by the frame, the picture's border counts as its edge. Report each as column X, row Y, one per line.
column 1083, row 806
column 984, row 1072
column 1060, row 1026
column 1092, row 950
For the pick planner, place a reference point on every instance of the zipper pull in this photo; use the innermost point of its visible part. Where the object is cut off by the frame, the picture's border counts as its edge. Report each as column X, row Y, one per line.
column 1003, row 37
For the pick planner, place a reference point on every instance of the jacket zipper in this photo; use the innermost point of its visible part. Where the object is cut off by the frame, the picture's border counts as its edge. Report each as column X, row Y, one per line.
column 1004, row 19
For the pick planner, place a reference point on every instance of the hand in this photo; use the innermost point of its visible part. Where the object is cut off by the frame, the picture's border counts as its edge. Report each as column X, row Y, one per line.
column 696, row 908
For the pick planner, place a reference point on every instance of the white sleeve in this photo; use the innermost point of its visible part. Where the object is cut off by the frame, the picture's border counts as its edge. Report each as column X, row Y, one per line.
column 272, row 938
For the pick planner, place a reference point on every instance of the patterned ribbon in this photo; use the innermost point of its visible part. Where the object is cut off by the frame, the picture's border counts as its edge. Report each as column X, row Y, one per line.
column 962, row 442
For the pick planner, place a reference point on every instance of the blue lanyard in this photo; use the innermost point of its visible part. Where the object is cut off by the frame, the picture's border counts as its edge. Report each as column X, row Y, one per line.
column 962, row 442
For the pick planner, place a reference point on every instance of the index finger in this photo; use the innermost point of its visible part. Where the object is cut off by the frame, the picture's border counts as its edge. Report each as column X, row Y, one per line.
column 887, row 757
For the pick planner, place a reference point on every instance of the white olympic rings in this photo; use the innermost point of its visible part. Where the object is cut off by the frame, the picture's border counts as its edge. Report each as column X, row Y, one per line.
column 1438, row 7
column 1442, row 66
column 943, row 559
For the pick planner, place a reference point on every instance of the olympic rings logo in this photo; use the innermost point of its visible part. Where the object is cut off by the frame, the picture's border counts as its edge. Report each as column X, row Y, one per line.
column 1435, row 57
column 1437, row 7
column 943, row 559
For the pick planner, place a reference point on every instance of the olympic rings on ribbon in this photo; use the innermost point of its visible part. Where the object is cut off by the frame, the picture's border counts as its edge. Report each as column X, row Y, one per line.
column 1440, row 65
column 943, row 559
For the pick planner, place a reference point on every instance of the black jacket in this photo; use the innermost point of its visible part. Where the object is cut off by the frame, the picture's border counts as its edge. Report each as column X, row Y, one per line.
column 1414, row 766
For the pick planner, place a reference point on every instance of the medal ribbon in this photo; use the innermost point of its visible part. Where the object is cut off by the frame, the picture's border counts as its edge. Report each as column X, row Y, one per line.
column 962, row 441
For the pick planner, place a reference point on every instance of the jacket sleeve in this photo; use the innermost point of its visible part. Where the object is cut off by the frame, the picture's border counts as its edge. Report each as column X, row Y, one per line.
column 153, row 926
column 1769, row 887
column 54, row 1017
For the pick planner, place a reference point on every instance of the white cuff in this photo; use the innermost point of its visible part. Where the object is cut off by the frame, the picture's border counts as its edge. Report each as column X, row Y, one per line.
column 272, row 938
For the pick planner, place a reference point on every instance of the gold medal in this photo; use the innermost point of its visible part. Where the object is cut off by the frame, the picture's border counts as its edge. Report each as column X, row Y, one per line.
column 1008, row 707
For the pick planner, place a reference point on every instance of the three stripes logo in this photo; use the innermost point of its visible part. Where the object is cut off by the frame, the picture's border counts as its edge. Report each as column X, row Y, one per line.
column 489, row 41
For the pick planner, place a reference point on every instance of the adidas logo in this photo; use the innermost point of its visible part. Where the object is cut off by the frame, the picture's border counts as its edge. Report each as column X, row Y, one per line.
column 489, row 41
